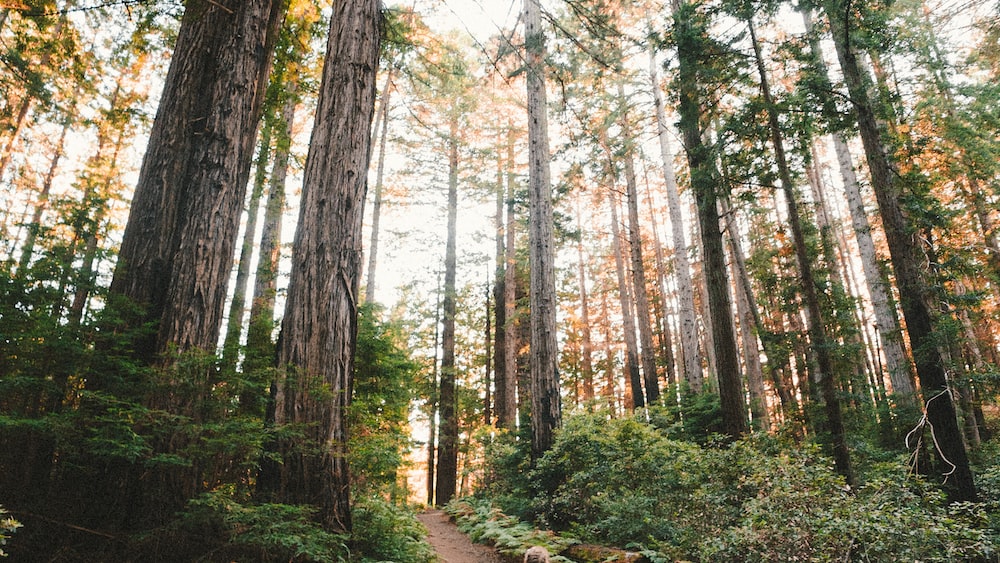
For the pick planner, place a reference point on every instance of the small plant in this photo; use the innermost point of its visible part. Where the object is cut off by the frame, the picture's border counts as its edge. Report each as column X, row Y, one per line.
column 486, row 524
column 7, row 527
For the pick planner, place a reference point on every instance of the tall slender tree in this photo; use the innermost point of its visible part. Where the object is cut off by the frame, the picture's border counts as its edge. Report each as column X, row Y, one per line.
column 690, row 356
column 546, row 404
column 690, row 33
column 907, row 262
column 447, row 463
column 819, row 339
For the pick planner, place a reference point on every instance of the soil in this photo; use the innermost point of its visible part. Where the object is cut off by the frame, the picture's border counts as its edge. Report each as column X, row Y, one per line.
column 451, row 545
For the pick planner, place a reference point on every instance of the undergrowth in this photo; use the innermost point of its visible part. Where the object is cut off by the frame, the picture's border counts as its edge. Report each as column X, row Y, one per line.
column 626, row 483
column 486, row 524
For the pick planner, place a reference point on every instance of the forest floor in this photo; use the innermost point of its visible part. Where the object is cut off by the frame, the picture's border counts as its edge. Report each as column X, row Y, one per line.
column 451, row 545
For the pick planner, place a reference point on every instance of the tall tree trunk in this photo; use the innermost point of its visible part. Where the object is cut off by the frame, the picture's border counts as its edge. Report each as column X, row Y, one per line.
column 610, row 388
column 319, row 330
column 820, row 341
column 260, row 345
column 177, row 249
column 506, row 351
column 887, row 321
column 28, row 247
column 634, row 379
column 234, row 325
column 750, row 325
column 690, row 35
column 86, row 275
column 907, row 261
column 546, row 404
column 510, row 294
column 660, row 303
column 432, row 418
column 383, row 120
column 647, row 351
column 586, row 344
column 682, row 266
column 447, row 465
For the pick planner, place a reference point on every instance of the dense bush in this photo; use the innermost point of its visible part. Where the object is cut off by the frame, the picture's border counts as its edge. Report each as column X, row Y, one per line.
column 624, row 482
column 387, row 532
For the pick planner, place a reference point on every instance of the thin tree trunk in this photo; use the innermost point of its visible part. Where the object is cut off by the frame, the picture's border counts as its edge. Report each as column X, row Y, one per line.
column 887, row 321
column 546, row 405
column 447, row 465
column 634, row 379
column 28, row 247
column 432, row 421
column 260, row 347
column 821, row 343
column 510, row 398
column 750, row 325
column 319, row 329
column 234, row 325
column 907, row 261
column 85, row 280
column 586, row 345
column 488, row 344
column 682, row 267
column 383, row 116
column 647, row 351
column 610, row 387
column 660, row 304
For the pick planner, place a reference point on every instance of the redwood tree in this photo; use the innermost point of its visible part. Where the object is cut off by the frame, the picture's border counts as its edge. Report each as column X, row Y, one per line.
column 177, row 249
column 319, row 330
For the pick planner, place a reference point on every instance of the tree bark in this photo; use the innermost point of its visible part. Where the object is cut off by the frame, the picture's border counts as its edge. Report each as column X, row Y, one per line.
column 319, row 330
column 546, row 404
column 178, row 244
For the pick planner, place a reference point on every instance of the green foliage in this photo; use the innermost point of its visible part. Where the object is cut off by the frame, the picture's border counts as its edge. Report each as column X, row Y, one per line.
column 386, row 532
column 486, row 524
column 7, row 527
column 259, row 532
column 385, row 381
column 628, row 483
column 697, row 418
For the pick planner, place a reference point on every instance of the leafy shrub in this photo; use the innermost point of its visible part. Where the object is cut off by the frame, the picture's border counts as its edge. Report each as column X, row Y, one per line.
column 386, row 532
column 626, row 483
column 259, row 532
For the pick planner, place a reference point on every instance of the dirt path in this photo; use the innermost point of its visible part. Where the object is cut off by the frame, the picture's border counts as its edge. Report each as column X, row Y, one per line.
column 451, row 545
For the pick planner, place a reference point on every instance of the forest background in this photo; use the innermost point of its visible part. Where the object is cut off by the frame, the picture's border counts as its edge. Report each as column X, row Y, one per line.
column 773, row 277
